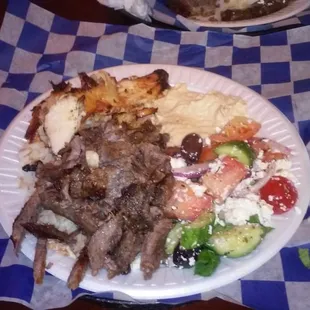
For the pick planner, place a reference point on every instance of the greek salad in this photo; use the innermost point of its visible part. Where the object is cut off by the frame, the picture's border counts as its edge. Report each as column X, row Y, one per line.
column 228, row 186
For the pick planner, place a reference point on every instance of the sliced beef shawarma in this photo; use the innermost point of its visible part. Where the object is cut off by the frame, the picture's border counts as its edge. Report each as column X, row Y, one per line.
column 46, row 231
column 27, row 214
column 76, row 179
column 86, row 214
column 94, row 184
column 118, row 180
column 115, row 153
column 153, row 247
column 148, row 133
column 50, row 171
column 78, row 271
column 126, row 252
column 74, row 153
column 156, row 213
column 150, row 162
column 163, row 191
column 76, row 240
column 135, row 208
column 103, row 241
column 39, row 262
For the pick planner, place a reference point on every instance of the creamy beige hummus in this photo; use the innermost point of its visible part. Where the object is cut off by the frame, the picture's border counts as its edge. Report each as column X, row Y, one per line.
column 182, row 112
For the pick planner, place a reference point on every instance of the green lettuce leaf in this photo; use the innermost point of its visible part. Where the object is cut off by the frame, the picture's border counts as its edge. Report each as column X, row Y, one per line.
column 254, row 219
column 206, row 263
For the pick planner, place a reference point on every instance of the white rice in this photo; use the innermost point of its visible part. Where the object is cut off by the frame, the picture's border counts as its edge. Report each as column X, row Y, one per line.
column 33, row 152
column 29, row 154
column 61, row 223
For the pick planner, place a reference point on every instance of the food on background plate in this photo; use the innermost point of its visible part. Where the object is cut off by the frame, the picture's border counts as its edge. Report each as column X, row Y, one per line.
column 226, row 10
column 138, row 168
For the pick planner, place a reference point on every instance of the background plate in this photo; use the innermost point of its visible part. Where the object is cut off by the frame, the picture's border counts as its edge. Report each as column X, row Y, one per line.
column 292, row 9
column 166, row 282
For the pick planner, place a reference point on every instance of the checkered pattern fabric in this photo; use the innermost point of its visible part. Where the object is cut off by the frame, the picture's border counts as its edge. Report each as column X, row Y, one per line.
column 163, row 14
column 36, row 46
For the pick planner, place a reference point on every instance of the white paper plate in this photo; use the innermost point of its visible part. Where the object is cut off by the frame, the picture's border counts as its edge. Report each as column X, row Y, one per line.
column 292, row 9
column 166, row 282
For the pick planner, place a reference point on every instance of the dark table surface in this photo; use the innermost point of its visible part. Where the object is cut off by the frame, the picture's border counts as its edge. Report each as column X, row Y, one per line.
column 91, row 10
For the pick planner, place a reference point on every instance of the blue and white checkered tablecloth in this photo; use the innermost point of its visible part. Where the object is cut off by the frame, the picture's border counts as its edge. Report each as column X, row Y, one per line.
column 37, row 46
column 162, row 13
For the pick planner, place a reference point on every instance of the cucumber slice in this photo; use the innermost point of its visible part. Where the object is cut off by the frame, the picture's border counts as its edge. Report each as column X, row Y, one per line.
column 173, row 238
column 239, row 150
column 204, row 219
column 237, row 241
column 198, row 232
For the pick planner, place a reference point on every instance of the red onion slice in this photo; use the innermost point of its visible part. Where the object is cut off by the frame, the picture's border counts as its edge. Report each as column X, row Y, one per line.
column 278, row 147
column 191, row 172
column 270, row 172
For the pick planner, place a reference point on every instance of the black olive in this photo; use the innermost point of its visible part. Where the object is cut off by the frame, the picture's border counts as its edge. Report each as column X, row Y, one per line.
column 182, row 257
column 191, row 148
column 29, row 167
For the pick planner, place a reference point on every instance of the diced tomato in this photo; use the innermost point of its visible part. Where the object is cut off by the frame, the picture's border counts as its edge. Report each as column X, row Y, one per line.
column 270, row 156
column 280, row 193
column 219, row 138
column 239, row 128
column 221, row 183
column 207, row 154
column 184, row 204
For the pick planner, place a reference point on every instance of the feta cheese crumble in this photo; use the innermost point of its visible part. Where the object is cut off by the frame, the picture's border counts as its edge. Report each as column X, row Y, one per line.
column 259, row 165
column 237, row 211
column 207, row 141
column 177, row 163
column 198, row 189
column 216, row 166
column 192, row 261
column 283, row 167
column 92, row 159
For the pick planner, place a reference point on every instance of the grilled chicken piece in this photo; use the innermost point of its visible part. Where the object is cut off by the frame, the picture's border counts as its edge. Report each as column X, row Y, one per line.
column 40, row 260
column 87, row 82
column 101, row 93
column 145, row 89
column 35, row 123
column 39, row 112
column 103, row 96
column 78, row 271
column 28, row 213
